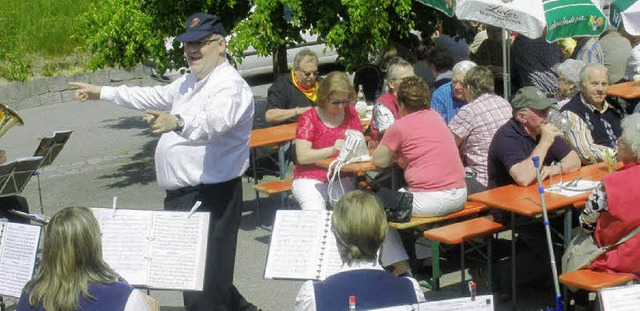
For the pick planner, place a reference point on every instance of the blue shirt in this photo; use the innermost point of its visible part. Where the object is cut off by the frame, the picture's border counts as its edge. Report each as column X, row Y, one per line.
column 444, row 103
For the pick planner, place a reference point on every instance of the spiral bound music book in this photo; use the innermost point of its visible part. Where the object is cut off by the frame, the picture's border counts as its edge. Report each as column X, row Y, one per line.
column 302, row 246
column 155, row 249
column 18, row 249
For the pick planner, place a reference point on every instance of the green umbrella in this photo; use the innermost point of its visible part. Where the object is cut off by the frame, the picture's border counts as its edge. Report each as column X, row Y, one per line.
column 568, row 18
column 627, row 13
column 446, row 6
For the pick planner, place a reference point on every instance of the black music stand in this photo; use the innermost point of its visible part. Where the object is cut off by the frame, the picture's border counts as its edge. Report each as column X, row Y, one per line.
column 15, row 175
column 49, row 148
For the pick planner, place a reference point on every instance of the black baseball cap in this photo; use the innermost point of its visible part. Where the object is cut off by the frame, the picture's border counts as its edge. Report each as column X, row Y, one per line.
column 200, row 25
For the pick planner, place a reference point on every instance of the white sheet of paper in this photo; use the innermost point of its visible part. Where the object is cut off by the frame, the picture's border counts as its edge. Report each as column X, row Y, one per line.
column 18, row 249
column 481, row 303
column 625, row 298
column 581, row 187
column 295, row 247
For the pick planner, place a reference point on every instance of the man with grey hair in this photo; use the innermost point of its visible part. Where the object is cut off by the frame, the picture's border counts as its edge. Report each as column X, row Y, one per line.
column 476, row 123
column 294, row 93
column 568, row 80
column 595, row 124
column 385, row 111
column 448, row 98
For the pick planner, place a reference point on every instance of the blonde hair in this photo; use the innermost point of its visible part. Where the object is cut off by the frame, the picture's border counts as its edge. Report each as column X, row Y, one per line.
column 334, row 82
column 360, row 225
column 71, row 260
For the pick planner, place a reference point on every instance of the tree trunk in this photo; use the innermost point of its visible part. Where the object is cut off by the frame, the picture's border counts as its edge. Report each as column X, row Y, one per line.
column 279, row 61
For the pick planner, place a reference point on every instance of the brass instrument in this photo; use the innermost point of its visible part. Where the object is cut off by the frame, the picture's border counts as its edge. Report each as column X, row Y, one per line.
column 8, row 118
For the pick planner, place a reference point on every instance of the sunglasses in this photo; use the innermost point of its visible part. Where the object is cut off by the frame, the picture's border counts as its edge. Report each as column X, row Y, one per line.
column 201, row 43
column 341, row 102
column 309, row 73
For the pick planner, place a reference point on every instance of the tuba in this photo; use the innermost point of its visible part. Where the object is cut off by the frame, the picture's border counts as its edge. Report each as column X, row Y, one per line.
column 8, row 118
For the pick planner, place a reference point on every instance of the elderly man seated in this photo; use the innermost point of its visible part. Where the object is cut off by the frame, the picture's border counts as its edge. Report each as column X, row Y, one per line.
column 524, row 136
column 595, row 124
column 476, row 123
column 448, row 98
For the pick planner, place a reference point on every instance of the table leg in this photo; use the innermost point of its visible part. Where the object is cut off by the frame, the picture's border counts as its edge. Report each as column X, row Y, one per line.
column 255, row 182
column 283, row 170
column 514, row 286
column 568, row 221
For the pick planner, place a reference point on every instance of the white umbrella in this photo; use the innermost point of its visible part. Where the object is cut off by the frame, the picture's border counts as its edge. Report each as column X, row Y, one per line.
column 627, row 13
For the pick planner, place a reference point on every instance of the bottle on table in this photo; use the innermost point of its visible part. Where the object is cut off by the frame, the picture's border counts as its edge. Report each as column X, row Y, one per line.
column 352, row 303
column 361, row 104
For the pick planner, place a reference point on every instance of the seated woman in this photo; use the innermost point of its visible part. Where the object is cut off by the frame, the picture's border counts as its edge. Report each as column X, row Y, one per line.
column 422, row 145
column 359, row 225
column 72, row 274
column 611, row 211
column 568, row 80
column 320, row 135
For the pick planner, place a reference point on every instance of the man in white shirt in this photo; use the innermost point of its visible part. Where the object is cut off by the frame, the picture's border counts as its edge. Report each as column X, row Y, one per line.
column 205, row 119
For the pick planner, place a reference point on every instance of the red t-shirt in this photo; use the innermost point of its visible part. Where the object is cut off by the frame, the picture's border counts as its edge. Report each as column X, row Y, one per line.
column 311, row 128
column 426, row 151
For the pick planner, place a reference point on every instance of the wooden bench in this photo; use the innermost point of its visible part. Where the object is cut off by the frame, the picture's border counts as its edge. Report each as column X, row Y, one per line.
column 269, row 188
column 460, row 233
column 593, row 281
column 469, row 208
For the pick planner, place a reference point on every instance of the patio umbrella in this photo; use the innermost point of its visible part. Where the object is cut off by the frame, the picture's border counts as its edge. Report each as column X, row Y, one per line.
column 562, row 18
column 444, row 6
column 627, row 13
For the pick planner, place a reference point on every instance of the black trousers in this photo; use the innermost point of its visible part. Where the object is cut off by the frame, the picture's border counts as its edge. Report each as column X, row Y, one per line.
column 224, row 202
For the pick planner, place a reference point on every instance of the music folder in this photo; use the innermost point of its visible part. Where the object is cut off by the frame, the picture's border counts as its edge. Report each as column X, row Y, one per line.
column 50, row 147
column 18, row 249
column 14, row 175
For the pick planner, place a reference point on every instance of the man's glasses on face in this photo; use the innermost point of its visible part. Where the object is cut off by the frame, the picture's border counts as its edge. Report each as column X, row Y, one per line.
column 341, row 102
column 201, row 43
column 308, row 74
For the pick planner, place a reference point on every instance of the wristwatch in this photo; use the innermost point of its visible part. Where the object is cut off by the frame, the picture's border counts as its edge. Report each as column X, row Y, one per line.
column 179, row 123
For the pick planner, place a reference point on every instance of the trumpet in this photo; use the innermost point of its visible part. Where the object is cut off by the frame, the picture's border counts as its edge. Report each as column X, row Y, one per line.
column 8, row 119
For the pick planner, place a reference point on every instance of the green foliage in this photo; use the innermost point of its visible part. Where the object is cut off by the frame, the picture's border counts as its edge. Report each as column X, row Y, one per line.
column 15, row 68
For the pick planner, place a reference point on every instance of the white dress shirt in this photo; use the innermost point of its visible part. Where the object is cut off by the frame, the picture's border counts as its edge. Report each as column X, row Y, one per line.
column 213, row 146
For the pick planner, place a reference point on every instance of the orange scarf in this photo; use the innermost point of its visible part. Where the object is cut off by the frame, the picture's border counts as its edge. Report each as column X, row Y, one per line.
column 310, row 93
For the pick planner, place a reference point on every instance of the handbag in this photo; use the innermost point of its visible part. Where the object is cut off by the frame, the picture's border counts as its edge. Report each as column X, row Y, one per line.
column 354, row 149
column 583, row 250
column 397, row 204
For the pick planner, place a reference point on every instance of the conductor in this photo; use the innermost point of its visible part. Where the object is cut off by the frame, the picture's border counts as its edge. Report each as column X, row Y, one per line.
column 205, row 119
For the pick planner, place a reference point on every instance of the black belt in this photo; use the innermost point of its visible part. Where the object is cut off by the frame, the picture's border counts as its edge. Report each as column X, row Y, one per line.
column 189, row 189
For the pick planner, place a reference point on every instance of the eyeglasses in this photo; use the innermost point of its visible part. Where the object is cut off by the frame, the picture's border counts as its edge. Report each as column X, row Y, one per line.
column 309, row 73
column 201, row 43
column 341, row 102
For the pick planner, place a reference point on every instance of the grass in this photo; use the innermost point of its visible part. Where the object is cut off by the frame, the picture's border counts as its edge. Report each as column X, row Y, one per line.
column 32, row 30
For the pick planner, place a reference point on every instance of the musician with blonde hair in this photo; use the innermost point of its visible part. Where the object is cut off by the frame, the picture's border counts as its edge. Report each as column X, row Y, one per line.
column 72, row 274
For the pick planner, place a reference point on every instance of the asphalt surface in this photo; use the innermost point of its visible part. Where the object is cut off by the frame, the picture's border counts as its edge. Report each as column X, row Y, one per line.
column 110, row 153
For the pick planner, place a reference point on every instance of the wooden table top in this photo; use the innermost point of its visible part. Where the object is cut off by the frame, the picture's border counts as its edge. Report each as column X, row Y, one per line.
column 273, row 135
column 625, row 90
column 526, row 200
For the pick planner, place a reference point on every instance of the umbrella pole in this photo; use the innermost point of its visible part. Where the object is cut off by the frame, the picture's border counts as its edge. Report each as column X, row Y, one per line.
column 506, row 78
column 554, row 269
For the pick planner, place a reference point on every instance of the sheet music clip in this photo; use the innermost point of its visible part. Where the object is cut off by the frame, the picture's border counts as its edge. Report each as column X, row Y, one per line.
column 472, row 290
column 115, row 200
column 194, row 208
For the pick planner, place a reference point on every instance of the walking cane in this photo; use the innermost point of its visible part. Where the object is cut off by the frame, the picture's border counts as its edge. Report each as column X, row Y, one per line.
column 554, row 270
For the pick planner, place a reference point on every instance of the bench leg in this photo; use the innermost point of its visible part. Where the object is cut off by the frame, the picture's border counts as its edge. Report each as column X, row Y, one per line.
column 463, row 286
column 435, row 264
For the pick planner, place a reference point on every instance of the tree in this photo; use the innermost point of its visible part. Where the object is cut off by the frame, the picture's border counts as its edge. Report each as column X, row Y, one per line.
column 127, row 32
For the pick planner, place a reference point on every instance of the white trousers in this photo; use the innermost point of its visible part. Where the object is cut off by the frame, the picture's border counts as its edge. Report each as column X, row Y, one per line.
column 438, row 203
column 313, row 195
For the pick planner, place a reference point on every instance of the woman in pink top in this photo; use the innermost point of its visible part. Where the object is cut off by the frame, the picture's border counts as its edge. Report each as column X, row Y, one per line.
column 320, row 135
column 421, row 144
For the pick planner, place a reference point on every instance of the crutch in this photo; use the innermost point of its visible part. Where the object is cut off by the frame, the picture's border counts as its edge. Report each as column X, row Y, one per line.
column 554, row 269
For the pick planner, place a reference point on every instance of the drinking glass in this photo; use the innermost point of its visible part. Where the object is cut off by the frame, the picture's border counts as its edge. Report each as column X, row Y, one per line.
column 555, row 181
column 558, row 119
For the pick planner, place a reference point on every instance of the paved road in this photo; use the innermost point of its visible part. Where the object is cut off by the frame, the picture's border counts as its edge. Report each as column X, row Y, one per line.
column 110, row 153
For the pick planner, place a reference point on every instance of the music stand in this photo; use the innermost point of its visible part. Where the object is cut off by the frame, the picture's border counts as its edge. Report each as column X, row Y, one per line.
column 49, row 148
column 15, row 175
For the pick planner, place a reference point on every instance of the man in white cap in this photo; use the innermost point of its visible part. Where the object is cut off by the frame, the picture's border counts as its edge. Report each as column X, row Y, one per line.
column 205, row 119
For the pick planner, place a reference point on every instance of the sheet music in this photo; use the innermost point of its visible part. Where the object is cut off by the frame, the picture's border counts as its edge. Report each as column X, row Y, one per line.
column 18, row 249
column 331, row 262
column 294, row 251
column 159, row 249
column 178, row 250
column 624, row 298
column 481, row 303
column 125, row 242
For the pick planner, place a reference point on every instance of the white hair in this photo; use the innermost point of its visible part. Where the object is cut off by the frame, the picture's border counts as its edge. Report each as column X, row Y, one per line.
column 631, row 132
column 463, row 66
column 570, row 70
